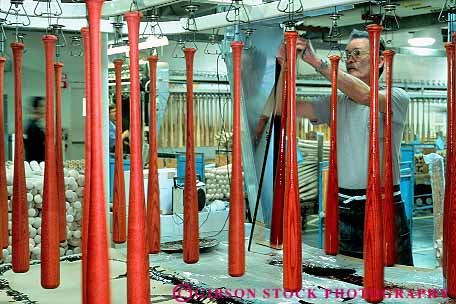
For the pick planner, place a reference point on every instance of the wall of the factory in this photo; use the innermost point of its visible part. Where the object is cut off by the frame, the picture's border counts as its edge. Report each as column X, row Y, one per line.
column 202, row 62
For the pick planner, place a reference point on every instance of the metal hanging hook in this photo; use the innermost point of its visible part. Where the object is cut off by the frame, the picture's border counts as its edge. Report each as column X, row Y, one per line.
column 14, row 11
column 57, row 30
column 134, row 6
column 153, row 25
column 190, row 41
column 335, row 49
column 334, row 32
column 213, row 46
column 178, row 49
column 290, row 7
column 237, row 13
column 76, row 49
column 190, row 23
column 248, row 43
column 390, row 21
column 117, row 26
column 48, row 11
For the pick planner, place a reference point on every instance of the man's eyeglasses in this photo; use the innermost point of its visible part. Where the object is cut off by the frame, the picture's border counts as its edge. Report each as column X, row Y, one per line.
column 356, row 54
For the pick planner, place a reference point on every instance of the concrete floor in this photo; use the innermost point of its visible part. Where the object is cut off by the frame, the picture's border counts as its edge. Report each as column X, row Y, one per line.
column 422, row 243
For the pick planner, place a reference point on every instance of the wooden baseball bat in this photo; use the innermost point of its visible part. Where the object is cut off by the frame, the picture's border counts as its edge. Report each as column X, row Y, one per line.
column 50, row 256
column 87, row 161
column 20, row 231
column 191, row 229
column 450, row 49
column 292, row 247
column 389, row 217
column 276, row 235
column 119, row 211
column 373, row 223
column 153, row 189
column 98, row 285
column 236, row 242
column 138, row 282
column 3, row 183
column 61, row 202
column 196, row 120
column 332, row 191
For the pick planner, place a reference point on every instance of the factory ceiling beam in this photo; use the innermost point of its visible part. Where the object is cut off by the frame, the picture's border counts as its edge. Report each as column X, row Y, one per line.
column 75, row 14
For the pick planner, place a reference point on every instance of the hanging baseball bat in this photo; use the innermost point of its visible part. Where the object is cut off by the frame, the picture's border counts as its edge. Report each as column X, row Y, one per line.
column 373, row 223
column 138, row 282
column 276, row 235
column 61, row 202
column 332, row 191
column 87, row 161
column 97, row 282
column 450, row 49
column 20, row 230
column 191, row 231
column 292, row 247
column 236, row 242
column 119, row 211
column 50, row 256
column 389, row 222
column 153, row 190
column 3, row 183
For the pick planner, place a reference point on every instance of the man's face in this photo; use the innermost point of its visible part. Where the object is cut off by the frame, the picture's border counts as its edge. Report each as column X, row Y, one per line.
column 112, row 115
column 358, row 59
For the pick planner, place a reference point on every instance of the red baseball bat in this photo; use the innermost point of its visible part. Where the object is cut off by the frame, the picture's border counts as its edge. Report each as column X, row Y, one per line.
column 119, row 209
column 191, row 229
column 332, row 191
column 292, row 247
column 153, row 190
column 389, row 221
column 236, row 247
column 276, row 235
column 20, row 231
column 50, row 257
column 450, row 219
column 450, row 49
column 138, row 282
column 3, row 189
column 97, row 283
column 59, row 152
column 87, row 162
column 373, row 223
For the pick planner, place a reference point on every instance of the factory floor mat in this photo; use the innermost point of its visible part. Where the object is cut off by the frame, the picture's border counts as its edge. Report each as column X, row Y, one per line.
column 326, row 279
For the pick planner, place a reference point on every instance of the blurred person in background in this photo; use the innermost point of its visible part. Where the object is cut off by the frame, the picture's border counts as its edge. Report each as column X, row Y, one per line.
column 34, row 134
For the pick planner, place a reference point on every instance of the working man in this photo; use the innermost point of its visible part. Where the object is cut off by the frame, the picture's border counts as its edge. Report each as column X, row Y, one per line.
column 112, row 128
column 353, row 113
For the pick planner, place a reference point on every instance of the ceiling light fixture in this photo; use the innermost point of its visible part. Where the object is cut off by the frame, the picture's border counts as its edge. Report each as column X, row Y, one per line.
column 421, row 39
column 151, row 42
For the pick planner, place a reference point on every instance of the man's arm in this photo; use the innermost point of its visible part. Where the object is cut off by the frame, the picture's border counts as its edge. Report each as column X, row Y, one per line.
column 351, row 86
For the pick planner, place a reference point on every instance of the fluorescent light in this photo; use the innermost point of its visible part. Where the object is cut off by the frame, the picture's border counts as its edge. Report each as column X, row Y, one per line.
column 118, row 50
column 421, row 41
column 419, row 51
column 151, row 42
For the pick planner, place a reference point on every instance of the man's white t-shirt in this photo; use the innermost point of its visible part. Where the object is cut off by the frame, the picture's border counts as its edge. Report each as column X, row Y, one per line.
column 353, row 136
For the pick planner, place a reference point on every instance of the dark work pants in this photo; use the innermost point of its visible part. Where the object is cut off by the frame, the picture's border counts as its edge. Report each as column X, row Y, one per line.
column 351, row 226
